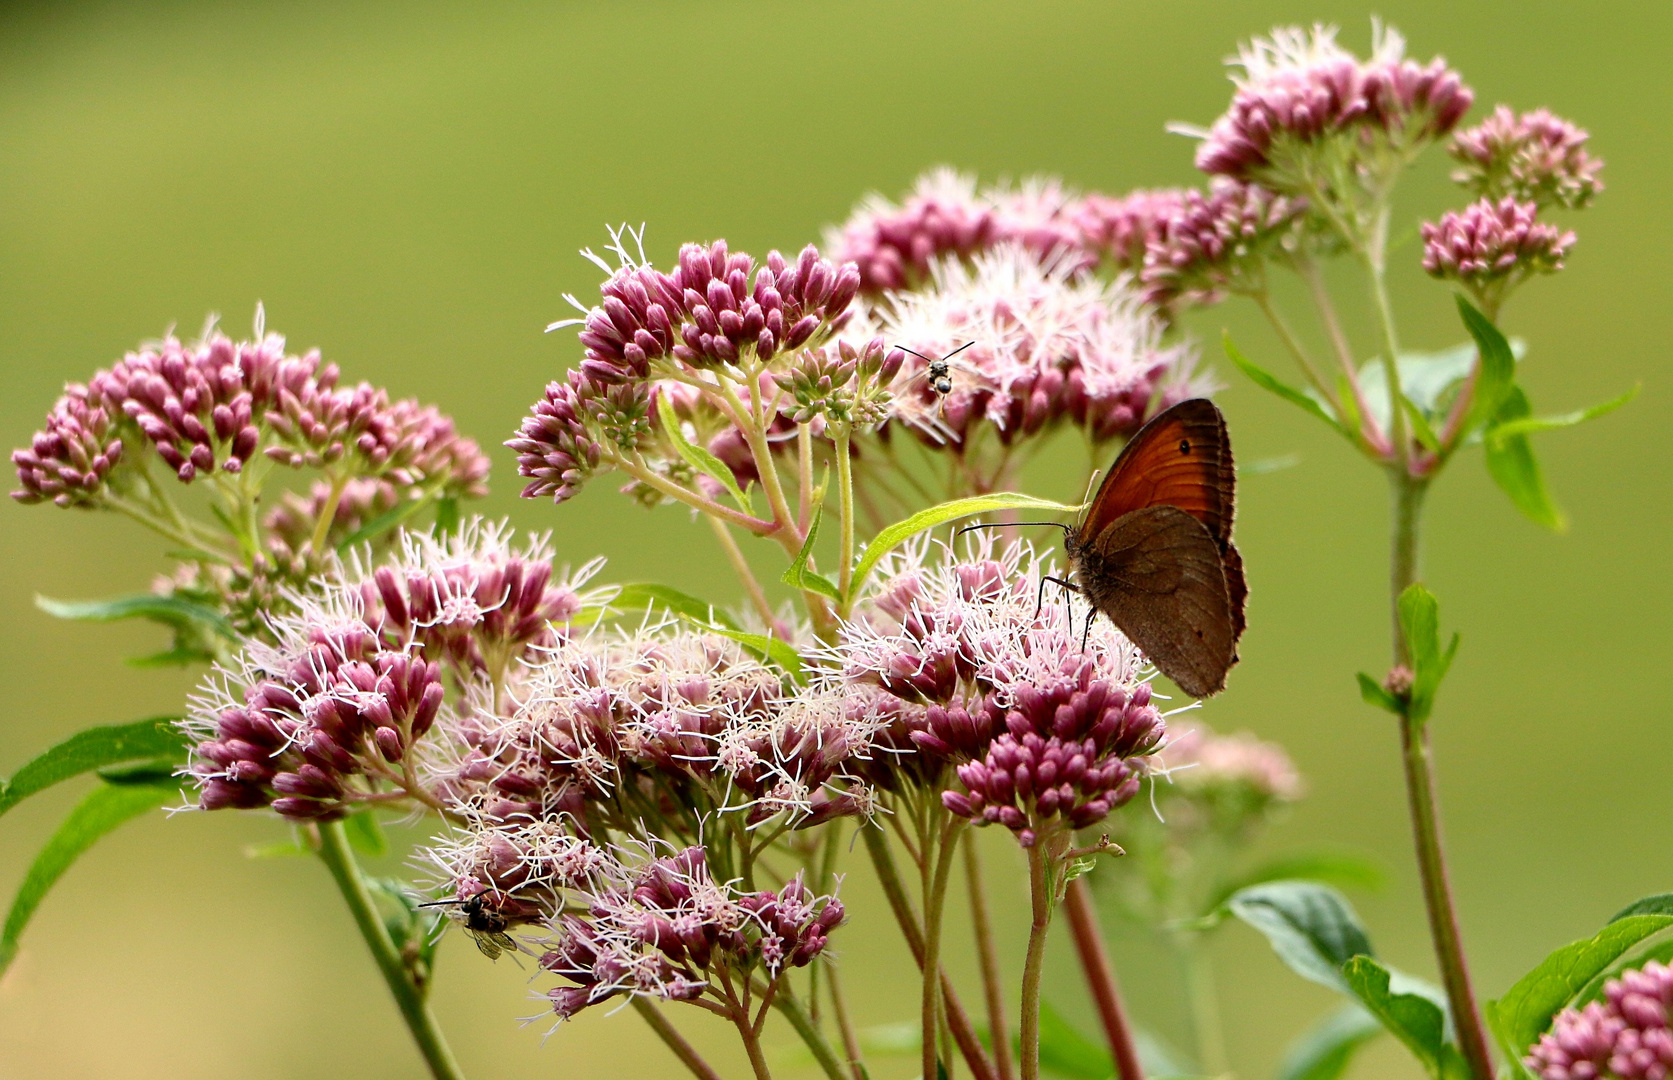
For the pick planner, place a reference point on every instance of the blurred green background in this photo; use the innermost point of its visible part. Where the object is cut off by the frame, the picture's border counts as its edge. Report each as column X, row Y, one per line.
column 406, row 186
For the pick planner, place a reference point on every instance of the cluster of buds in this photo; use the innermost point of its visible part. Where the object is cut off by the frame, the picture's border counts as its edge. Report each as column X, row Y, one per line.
column 1120, row 229
column 1535, row 157
column 1625, row 1036
column 1490, row 248
column 289, row 526
column 1051, row 347
column 843, row 382
column 1217, row 242
column 522, row 872
column 1040, row 732
column 214, row 405
column 664, row 928
column 312, row 724
column 1302, row 101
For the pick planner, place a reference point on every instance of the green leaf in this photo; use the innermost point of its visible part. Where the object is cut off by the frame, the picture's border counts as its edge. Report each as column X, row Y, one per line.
column 447, row 516
column 1498, row 367
column 154, row 771
column 167, row 610
column 1411, row 1010
column 1512, row 465
column 797, row 575
column 696, row 456
column 1659, row 904
column 411, row 929
column 779, row 653
column 1525, row 1011
column 901, row 531
column 646, row 596
column 1420, row 620
column 384, row 522
column 1345, row 869
column 1311, row 927
column 104, row 808
column 1066, row 1052
column 365, row 834
column 1325, row 1050
column 1420, row 426
column 1272, row 384
column 179, row 656
column 95, row 748
column 1532, row 425
column 1374, row 694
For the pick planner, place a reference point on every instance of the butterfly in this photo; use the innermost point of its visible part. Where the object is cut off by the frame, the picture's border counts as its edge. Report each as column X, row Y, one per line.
column 1154, row 551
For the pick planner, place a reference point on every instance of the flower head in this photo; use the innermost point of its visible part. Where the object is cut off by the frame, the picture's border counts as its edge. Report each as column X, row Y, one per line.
column 895, row 245
column 1304, row 105
column 1050, row 346
column 1537, row 156
column 1120, row 229
column 214, row 405
column 1625, row 1036
column 1490, row 248
column 1210, row 244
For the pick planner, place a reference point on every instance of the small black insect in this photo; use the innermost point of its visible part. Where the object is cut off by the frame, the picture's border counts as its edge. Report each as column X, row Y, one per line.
column 486, row 926
column 940, row 373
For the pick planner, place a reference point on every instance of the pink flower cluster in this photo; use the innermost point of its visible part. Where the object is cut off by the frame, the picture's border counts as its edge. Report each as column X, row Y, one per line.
column 330, row 712
column 1299, row 91
column 1626, row 1036
column 663, row 928
column 1203, row 762
column 1051, row 346
column 1121, row 229
column 1490, row 243
column 952, row 655
column 1537, row 157
column 215, row 404
column 600, row 719
column 945, row 216
column 1209, row 244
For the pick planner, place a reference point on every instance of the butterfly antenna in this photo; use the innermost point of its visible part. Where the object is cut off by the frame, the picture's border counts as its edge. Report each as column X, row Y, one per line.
column 1067, row 529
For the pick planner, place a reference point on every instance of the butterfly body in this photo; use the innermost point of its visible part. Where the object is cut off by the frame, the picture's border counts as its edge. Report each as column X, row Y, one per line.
column 1154, row 552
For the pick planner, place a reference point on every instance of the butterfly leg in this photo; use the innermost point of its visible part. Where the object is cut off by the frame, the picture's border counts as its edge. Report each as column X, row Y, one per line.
column 1040, row 600
column 1086, row 635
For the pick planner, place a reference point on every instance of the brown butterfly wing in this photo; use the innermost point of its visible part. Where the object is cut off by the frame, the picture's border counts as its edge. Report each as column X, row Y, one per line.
column 1159, row 575
column 1183, row 458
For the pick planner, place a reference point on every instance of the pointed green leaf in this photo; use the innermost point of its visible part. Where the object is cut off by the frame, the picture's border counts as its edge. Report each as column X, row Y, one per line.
column 1345, row 869
column 646, row 596
column 392, row 518
column 1374, row 694
column 104, row 808
column 797, row 575
column 1272, row 384
column 1325, row 1050
column 1412, row 1011
column 901, row 531
column 1068, row 1053
column 1659, row 904
column 1420, row 426
column 1512, row 465
column 1498, row 367
column 1525, row 1011
column 95, row 748
column 447, row 516
column 365, row 834
column 1311, row 927
column 696, row 456
column 167, row 610
column 1420, row 621
column 1532, row 425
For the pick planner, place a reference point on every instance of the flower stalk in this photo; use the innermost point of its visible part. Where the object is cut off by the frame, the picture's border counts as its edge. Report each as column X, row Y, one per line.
column 1089, row 944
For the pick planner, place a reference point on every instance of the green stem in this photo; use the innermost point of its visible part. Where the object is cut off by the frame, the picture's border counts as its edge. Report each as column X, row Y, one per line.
column 697, row 502
column 790, row 1007
column 1374, row 264
column 845, row 492
column 676, row 1042
column 935, row 899
column 1205, row 1004
column 850, row 1038
column 1293, row 344
column 740, row 566
column 993, row 985
column 1089, row 943
column 328, row 513
column 163, row 528
column 1040, row 899
column 1422, row 802
column 339, row 859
